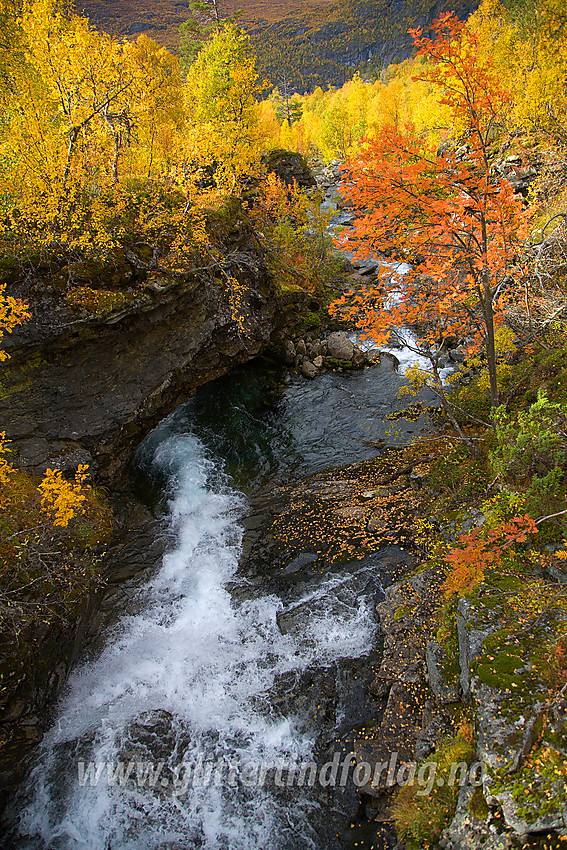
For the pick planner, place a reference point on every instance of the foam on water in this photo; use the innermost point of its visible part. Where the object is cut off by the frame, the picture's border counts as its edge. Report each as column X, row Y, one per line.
column 406, row 349
column 200, row 663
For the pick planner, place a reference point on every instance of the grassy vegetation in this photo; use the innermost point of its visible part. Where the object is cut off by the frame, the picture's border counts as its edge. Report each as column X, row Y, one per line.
column 515, row 595
column 420, row 817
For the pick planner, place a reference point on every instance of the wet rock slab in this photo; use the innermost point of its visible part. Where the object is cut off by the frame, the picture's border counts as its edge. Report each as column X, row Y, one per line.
column 327, row 519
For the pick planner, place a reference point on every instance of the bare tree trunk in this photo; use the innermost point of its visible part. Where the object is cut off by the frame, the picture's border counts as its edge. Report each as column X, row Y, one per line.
column 490, row 345
column 116, row 158
column 447, row 406
column 150, row 163
column 488, row 316
column 73, row 136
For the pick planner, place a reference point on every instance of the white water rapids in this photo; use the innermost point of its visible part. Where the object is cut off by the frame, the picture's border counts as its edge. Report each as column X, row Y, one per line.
column 200, row 663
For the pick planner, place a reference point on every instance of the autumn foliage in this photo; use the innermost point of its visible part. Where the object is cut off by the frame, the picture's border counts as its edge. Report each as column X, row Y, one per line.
column 13, row 311
column 460, row 225
column 90, row 123
column 62, row 499
column 294, row 231
column 482, row 549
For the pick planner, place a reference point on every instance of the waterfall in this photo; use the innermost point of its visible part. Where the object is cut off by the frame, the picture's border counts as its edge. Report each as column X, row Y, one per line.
column 181, row 688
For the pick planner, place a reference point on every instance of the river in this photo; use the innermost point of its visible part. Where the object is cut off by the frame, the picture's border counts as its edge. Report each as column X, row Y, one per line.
column 179, row 735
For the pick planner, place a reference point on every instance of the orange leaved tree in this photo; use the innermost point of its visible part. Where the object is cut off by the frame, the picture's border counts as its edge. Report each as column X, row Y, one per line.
column 456, row 222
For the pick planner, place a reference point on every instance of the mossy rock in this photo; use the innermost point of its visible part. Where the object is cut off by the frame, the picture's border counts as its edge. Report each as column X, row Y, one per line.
column 291, row 167
column 533, row 798
column 478, row 806
column 334, row 363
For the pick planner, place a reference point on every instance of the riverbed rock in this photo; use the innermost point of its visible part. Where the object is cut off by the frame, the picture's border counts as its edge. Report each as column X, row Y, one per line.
column 474, row 825
column 386, row 357
column 332, row 504
column 352, row 512
column 517, row 731
column 309, row 369
column 366, row 267
column 417, row 479
column 289, row 353
column 358, row 357
column 376, row 523
column 444, row 685
column 314, row 349
column 458, row 355
column 339, row 346
column 474, row 624
column 410, row 724
column 505, row 738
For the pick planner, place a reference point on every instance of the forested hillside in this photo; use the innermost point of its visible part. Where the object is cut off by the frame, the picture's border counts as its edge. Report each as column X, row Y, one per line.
column 308, row 43
column 325, row 45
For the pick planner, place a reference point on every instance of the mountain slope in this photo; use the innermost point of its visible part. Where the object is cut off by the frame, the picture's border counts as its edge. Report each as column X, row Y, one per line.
column 312, row 42
column 327, row 43
column 160, row 19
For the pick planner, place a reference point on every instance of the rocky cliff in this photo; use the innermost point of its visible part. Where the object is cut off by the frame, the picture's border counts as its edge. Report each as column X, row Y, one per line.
column 83, row 390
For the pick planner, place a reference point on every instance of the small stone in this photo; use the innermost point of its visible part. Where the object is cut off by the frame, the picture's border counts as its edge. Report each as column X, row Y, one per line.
column 352, row 512
column 155, row 287
column 309, row 369
column 366, row 267
column 301, row 348
column 390, row 359
column 458, row 355
column 315, row 349
column 417, row 480
column 318, row 361
column 289, row 353
column 376, row 523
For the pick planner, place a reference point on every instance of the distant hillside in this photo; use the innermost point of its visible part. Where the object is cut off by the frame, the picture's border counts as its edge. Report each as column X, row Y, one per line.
column 326, row 43
column 160, row 19
column 306, row 42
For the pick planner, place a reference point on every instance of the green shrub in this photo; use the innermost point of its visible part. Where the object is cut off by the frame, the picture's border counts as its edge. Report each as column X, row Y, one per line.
column 531, row 451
